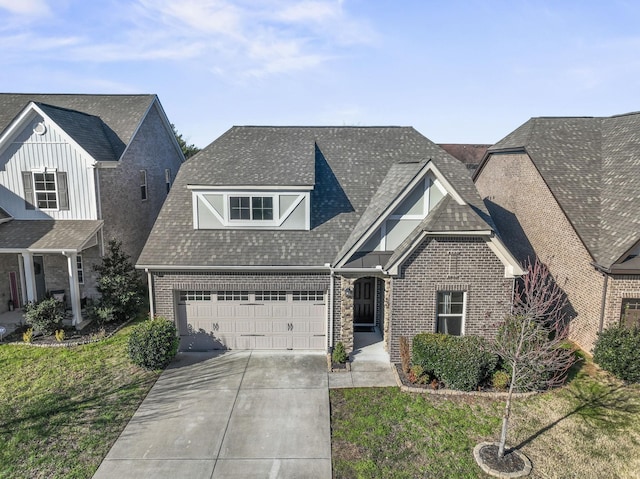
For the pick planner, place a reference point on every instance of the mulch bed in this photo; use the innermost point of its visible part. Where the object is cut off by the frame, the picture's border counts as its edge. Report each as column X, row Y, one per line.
column 510, row 463
column 90, row 333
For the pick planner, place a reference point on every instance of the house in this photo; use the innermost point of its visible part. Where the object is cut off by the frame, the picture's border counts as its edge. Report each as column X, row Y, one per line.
column 564, row 190
column 76, row 171
column 300, row 237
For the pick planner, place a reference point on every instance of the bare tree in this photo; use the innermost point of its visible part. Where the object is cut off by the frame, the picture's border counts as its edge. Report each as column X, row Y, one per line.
column 532, row 341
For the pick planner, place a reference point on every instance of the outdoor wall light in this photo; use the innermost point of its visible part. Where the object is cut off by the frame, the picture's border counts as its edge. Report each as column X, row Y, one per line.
column 348, row 292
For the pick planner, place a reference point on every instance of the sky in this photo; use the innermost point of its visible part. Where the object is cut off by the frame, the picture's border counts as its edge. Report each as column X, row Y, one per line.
column 458, row 71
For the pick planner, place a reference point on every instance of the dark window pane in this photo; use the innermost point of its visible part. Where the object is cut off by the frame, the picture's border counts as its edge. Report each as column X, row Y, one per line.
column 239, row 208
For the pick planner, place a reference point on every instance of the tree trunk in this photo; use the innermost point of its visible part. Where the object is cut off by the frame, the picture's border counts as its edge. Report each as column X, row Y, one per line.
column 507, row 414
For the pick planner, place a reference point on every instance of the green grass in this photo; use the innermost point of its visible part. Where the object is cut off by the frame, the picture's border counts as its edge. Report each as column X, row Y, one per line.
column 61, row 409
column 591, row 428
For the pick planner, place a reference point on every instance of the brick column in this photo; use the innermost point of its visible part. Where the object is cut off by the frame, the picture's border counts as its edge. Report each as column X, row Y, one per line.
column 346, row 314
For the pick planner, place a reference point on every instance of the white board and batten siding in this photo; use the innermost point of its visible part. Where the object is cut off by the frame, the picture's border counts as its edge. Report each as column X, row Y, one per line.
column 207, row 320
column 29, row 151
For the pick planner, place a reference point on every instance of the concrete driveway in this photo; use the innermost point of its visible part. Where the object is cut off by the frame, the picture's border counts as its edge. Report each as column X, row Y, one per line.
column 230, row 415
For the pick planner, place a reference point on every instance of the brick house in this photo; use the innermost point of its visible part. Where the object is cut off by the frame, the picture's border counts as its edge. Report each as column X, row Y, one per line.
column 76, row 171
column 563, row 189
column 300, row 237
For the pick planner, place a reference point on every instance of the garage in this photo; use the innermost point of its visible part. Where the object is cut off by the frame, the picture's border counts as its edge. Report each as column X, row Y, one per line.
column 251, row 320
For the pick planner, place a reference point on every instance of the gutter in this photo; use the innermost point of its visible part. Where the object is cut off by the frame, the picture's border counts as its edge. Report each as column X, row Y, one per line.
column 161, row 267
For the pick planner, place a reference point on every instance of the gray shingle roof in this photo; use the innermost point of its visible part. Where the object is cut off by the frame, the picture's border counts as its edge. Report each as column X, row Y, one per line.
column 591, row 166
column 88, row 131
column 55, row 235
column 447, row 216
column 120, row 114
column 351, row 164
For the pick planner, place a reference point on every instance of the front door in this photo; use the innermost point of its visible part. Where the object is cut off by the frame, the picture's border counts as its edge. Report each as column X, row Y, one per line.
column 38, row 273
column 364, row 301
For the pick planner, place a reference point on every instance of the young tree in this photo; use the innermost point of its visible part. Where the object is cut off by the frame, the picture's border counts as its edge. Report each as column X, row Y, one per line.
column 119, row 283
column 532, row 341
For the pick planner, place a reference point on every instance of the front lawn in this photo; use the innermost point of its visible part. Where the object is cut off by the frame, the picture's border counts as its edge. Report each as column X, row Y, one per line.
column 590, row 428
column 62, row 408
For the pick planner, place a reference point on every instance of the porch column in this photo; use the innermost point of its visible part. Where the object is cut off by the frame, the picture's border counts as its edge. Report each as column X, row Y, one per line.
column 29, row 276
column 74, row 288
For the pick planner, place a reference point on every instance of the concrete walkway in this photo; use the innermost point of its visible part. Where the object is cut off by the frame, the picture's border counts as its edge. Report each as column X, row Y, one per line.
column 241, row 414
column 230, row 415
column 370, row 365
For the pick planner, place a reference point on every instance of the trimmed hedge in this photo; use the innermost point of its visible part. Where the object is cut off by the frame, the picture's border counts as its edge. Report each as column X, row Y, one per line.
column 153, row 343
column 617, row 350
column 460, row 362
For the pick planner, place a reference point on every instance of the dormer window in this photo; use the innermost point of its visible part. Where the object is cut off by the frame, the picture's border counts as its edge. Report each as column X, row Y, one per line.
column 252, row 208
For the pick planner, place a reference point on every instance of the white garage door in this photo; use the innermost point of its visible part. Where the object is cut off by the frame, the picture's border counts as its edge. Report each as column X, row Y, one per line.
column 251, row 320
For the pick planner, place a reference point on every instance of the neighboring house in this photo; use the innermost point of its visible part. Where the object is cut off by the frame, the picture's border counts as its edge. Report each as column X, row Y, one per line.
column 75, row 172
column 470, row 155
column 299, row 237
column 564, row 189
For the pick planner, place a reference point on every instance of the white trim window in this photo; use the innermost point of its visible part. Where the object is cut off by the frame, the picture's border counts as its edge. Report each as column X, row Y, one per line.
column 450, row 312
column 80, row 269
column 144, row 195
column 251, row 208
column 46, row 190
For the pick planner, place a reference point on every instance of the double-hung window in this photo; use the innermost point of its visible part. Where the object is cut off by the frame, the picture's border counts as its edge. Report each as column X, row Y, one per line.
column 450, row 314
column 45, row 190
column 251, row 208
column 80, row 269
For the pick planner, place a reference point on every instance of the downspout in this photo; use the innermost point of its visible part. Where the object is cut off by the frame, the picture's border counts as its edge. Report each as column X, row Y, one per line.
column 604, row 301
column 331, row 305
column 152, row 312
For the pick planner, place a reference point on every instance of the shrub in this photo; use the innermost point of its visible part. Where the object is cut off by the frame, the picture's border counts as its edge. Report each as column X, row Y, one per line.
column 405, row 355
column 417, row 375
column 500, row 380
column 461, row 362
column 119, row 285
column 339, row 355
column 59, row 335
column 153, row 343
column 617, row 350
column 45, row 316
column 27, row 336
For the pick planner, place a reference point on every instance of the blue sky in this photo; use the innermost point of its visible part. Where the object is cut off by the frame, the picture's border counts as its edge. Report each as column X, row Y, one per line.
column 458, row 71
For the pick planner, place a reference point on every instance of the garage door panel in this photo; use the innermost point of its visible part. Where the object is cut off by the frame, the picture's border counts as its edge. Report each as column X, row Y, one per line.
column 212, row 323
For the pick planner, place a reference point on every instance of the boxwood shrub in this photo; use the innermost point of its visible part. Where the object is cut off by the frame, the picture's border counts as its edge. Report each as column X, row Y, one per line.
column 153, row 343
column 46, row 316
column 460, row 362
column 617, row 350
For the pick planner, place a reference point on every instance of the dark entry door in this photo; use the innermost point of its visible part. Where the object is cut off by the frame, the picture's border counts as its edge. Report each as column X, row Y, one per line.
column 364, row 301
column 38, row 272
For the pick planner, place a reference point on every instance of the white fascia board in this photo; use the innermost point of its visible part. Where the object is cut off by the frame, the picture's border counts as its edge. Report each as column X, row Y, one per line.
column 393, row 269
column 447, row 186
column 239, row 268
column 52, row 250
column 512, row 268
column 420, row 176
column 250, row 188
column 460, row 233
column 22, row 120
column 105, row 165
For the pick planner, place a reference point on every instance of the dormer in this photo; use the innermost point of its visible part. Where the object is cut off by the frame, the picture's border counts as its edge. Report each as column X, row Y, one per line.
column 250, row 207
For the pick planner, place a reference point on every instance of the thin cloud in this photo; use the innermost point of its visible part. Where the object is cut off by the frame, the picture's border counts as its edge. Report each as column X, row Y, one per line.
column 26, row 7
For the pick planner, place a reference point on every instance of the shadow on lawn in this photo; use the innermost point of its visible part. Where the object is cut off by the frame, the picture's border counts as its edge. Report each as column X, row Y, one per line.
column 604, row 405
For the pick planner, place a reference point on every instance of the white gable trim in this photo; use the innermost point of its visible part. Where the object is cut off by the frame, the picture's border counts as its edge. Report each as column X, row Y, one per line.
column 27, row 115
column 440, row 182
column 250, row 188
column 512, row 268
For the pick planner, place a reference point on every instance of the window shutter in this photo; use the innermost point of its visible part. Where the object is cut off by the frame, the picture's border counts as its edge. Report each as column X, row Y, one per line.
column 27, row 183
column 63, row 193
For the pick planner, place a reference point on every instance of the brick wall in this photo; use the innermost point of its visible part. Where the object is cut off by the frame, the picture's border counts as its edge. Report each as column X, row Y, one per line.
column 448, row 264
column 531, row 221
column 126, row 216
